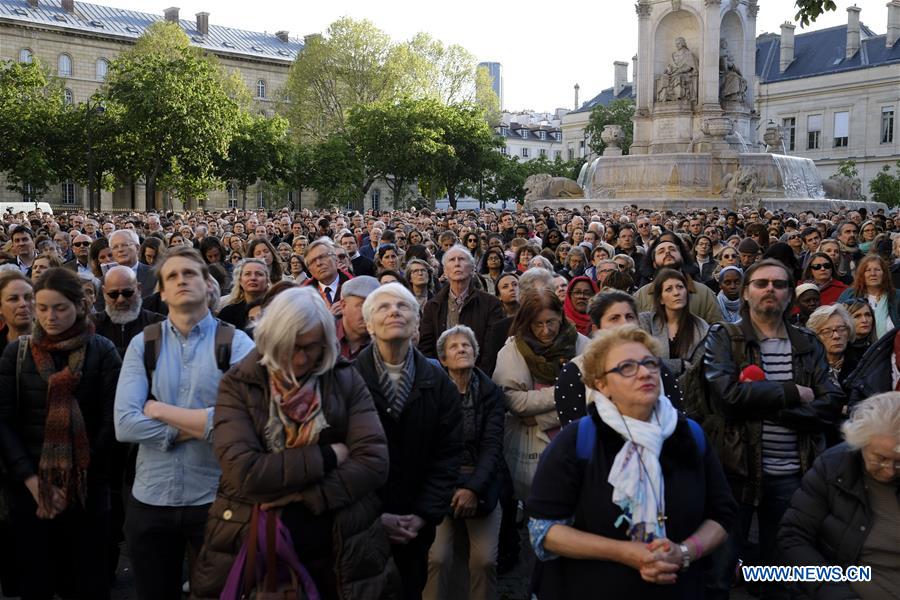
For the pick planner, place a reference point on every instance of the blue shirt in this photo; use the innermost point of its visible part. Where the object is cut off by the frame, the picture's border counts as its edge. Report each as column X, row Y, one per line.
column 186, row 375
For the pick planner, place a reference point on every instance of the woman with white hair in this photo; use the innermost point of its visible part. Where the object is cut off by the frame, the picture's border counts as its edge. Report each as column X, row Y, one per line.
column 833, row 325
column 295, row 429
column 421, row 414
column 847, row 510
column 475, row 504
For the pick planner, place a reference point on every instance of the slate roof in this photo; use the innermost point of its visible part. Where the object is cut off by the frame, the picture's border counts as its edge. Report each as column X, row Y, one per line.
column 816, row 53
column 95, row 19
column 515, row 133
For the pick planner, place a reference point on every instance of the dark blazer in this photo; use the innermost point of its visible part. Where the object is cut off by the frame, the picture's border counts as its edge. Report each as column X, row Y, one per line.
column 479, row 312
column 146, row 276
column 363, row 266
column 424, row 442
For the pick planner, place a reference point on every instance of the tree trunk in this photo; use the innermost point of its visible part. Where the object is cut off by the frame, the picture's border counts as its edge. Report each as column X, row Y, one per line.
column 150, row 192
column 451, row 196
column 244, row 198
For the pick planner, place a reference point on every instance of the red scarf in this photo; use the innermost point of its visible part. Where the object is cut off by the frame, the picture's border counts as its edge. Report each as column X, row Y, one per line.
column 65, row 455
column 581, row 321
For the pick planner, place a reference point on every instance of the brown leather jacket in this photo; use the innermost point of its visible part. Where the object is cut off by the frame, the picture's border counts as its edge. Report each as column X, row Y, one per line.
column 250, row 474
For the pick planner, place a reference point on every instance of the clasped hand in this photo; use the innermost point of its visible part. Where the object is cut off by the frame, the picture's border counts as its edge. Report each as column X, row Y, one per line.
column 401, row 529
column 658, row 562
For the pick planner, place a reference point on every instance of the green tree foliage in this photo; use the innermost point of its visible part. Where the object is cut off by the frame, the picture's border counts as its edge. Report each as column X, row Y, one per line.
column 259, row 150
column 885, row 187
column 810, row 10
column 338, row 174
column 32, row 129
column 618, row 112
column 507, row 180
column 177, row 117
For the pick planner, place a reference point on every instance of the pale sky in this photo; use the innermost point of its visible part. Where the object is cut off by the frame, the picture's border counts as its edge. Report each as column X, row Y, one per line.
column 545, row 48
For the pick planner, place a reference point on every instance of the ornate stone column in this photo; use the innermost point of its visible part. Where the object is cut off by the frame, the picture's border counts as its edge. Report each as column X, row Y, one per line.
column 709, row 59
column 643, row 81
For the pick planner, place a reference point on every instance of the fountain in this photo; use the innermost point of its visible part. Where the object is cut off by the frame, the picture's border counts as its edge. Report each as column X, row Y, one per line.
column 694, row 123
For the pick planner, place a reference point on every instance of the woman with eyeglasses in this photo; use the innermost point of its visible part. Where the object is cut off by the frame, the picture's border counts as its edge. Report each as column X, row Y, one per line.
column 541, row 341
column 679, row 332
column 492, row 267
column 704, row 259
column 553, row 239
column 473, row 244
column 631, row 496
column 524, row 255
column 834, row 327
column 562, row 253
column 873, row 283
column 578, row 297
column 846, row 510
column 421, row 282
column 820, row 271
column 868, row 231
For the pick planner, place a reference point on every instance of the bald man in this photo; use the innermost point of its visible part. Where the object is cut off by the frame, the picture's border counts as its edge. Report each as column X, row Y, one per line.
column 123, row 316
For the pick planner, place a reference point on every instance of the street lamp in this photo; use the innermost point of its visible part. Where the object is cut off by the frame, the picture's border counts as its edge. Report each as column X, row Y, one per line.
column 93, row 107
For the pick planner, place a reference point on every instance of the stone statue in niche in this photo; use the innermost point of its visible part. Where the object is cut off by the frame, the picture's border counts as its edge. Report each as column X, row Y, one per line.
column 679, row 80
column 732, row 85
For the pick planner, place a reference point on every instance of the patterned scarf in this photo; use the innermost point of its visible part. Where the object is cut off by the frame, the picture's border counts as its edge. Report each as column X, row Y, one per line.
column 398, row 394
column 295, row 413
column 66, row 452
column 545, row 362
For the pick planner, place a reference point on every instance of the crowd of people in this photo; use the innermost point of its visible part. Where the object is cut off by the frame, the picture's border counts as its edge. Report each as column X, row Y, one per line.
column 398, row 396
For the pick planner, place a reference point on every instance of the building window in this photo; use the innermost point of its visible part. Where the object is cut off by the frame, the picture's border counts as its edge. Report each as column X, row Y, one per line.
column 504, row 150
column 261, row 88
column 68, row 97
column 887, row 124
column 813, row 132
column 789, row 131
column 525, row 153
column 27, row 193
column 504, row 130
column 102, row 69
column 232, row 196
column 841, row 129
column 557, row 154
column 68, row 192
column 25, row 56
column 376, row 199
column 543, row 152
column 571, row 154
column 542, row 134
column 523, row 132
column 64, row 65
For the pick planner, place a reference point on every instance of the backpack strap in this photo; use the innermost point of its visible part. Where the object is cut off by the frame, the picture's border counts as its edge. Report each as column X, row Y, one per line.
column 224, row 337
column 699, row 437
column 585, row 438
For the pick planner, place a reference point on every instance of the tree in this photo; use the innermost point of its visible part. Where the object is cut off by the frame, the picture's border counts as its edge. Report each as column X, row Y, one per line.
column 398, row 141
column 618, row 112
column 259, row 150
column 886, row 187
column 810, row 10
column 338, row 174
column 176, row 115
column 32, row 129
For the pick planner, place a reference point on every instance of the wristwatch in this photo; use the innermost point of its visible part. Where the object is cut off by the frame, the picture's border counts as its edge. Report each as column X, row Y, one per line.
column 685, row 557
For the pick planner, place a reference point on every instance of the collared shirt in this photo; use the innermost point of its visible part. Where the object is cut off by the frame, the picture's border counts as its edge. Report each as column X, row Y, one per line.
column 334, row 285
column 22, row 266
column 455, row 305
column 186, row 375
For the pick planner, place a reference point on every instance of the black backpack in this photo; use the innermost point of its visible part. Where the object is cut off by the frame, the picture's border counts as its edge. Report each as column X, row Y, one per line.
column 695, row 390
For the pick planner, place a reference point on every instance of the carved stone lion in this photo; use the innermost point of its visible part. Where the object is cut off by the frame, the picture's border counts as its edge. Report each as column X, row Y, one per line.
column 839, row 187
column 741, row 186
column 544, row 187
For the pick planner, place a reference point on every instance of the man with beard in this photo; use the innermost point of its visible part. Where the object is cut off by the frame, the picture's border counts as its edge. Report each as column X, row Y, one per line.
column 771, row 401
column 847, row 235
column 123, row 316
column 668, row 252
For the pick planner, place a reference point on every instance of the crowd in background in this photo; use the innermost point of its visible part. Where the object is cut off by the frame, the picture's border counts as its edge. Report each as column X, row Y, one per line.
column 398, row 394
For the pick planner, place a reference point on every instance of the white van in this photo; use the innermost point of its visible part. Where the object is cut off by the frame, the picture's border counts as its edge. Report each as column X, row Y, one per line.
column 26, row 207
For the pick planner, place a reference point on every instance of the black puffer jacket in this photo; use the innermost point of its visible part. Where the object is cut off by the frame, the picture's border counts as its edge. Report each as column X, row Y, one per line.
column 735, row 428
column 425, row 443
column 121, row 335
column 828, row 519
column 23, row 414
column 874, row 373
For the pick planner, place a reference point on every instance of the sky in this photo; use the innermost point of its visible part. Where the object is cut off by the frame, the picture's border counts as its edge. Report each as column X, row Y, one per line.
column 545, row 48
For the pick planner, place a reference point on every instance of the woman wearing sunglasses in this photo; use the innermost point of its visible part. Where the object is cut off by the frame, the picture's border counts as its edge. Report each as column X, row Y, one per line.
column 820, row 271
column 635, row 457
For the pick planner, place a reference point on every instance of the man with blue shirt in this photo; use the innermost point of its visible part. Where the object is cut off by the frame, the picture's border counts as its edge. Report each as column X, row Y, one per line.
column 177, row 472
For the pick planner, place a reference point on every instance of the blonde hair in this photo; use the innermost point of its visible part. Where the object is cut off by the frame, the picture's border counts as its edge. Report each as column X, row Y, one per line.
column 820, row 316
column 877, row 415
column 293, row 312
column 605, row 340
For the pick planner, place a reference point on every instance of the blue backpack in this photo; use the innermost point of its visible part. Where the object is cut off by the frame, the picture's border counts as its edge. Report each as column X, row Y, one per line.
column 587, row 437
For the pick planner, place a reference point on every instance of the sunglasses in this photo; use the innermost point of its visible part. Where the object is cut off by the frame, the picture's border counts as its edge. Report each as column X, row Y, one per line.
column 820, row 266
column 114, row 294
column 81, row 244
column 778, row 284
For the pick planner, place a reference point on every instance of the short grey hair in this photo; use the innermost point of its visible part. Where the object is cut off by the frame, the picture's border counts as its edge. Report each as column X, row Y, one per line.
column 458, row 330
column 540, row 262
column 293, row 312
column 397, row 290
column 535, row 278
column 876, row 415
column 129, row 233
column 322, row 241
column 820, row 316
column 458, row 248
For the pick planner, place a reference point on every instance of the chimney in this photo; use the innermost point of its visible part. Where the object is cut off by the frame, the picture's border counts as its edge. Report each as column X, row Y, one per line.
column 68, row 6
column 171, row 14
column 893, row 23
column 577, row 87
column 33, row 3
column 634, row 69
column 620, row 77
column 203, row 23
column 787, row 46
column 282, row 35
column 311, row 38
column 852, row 30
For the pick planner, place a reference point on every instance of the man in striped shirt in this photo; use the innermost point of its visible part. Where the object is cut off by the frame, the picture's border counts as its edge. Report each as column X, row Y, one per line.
column 774, row 401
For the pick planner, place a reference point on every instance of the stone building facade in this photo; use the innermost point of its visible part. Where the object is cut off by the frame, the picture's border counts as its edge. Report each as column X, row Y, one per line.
column 530, row 135
column 77, row 41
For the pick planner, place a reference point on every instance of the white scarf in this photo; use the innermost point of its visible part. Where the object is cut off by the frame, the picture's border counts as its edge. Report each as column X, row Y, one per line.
column 638, row 490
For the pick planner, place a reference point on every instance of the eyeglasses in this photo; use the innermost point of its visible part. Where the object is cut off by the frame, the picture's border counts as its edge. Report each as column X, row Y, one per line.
column 81, row 244
column 778, row 284
column 820, row 266
column 841, row 331
column 884, row 464
column 629, row 368
column 320, row 258
column 548, row 325
column 417, row 272
column 114, row 294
